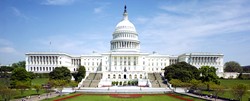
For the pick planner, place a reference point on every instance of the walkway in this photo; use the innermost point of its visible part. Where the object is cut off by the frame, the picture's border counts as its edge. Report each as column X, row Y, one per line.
column 182, row 91
column 36, row 97
column 125, row 90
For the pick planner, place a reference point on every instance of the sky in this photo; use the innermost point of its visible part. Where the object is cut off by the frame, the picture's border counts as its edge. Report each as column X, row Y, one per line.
column 170, row 27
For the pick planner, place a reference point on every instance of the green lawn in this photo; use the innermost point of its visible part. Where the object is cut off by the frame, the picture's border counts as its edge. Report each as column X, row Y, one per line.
column 40, row 81
column 28, row 93
column 108, row 98
column 228, row 84
column 228, row 94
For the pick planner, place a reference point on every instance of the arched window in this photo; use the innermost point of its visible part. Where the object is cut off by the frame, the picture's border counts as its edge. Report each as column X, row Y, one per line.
column 135, row 76
column 140, row 76
column 130, row 76
column 119, row 76
column 108, row 76
column 114, row 76
column 30, row 68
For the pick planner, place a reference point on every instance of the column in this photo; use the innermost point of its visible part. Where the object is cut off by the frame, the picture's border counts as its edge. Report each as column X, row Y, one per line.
column 130, row 45
column 43, row 59
column 56, row 59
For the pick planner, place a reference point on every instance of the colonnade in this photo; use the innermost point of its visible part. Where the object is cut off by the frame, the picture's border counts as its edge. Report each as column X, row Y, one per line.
column 124, row 35
column 124, row 44
column 124, row 60
column 48, row 60
column 76, row 61
column 172, row 61
column 204, row 60
column 41, row 69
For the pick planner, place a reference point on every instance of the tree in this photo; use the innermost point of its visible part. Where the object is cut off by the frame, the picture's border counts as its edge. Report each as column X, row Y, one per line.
column 6, row 93
column 22, row 86
column 37, row 87
column 182, row 71
column 19, row 64
column 196, row 84
column 73, row 84
column 246, row 69
column 60, row 73
column 175, row 82
column 80, row 74
column 5, row 73
column 232, row 66
column 59, row 84
column 21, row 75
column 239, row 90
column 217, row 90
column 208, row 74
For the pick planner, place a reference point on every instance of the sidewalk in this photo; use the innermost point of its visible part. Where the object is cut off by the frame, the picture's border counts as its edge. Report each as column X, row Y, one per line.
column 36, row 97
column 182, row 91
column 203, row 97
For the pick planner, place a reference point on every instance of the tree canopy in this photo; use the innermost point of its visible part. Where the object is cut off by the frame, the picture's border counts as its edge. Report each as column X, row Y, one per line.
column 60, row 73
column 19, row 75
column 80, row 74
column 19, row 64
column 182, row 71
column 239, row 90
column 246, row 69
column 208, row 74
column 232, row 66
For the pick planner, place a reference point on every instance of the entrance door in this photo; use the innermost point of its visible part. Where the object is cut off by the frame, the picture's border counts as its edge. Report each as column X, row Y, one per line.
column 125, row 76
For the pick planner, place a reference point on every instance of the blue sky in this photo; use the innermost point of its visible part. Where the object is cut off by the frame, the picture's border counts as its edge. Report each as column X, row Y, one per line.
column 169, row 27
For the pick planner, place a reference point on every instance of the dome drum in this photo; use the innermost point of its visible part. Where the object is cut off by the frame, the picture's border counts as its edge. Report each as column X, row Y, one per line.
column 125, row 37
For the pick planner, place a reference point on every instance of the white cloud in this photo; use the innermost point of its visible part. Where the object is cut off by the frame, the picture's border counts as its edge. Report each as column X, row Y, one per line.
column 186, row 27
column 4, row 42
column 75, row 43
column 58, row 2
column 18, row 13
column 100, row 8
column 7, row 50
column 6, row 47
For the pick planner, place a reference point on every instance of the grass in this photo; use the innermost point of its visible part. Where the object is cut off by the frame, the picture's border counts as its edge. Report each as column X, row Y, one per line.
column 229, row 83
column 25, row 94
column 108, row 98
column 39, row 81
column 228, row 94
column 28, row 93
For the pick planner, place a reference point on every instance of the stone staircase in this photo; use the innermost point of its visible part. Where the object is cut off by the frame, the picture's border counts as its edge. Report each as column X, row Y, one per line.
column 92, row 80
column 160, row 80
column 156, row 80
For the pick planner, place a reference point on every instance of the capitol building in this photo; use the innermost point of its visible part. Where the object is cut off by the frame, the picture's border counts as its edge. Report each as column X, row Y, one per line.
column 124, row 61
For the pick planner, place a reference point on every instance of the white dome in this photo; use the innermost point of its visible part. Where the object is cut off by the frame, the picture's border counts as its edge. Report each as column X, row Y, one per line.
column 125, row 24
column 125, row 37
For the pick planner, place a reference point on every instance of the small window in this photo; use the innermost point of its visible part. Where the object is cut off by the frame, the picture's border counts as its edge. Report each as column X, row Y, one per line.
column 108, row 76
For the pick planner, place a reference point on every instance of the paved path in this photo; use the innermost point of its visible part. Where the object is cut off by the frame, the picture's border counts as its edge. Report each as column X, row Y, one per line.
column 36, row 97
column 203, row 97
column 182, row 91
